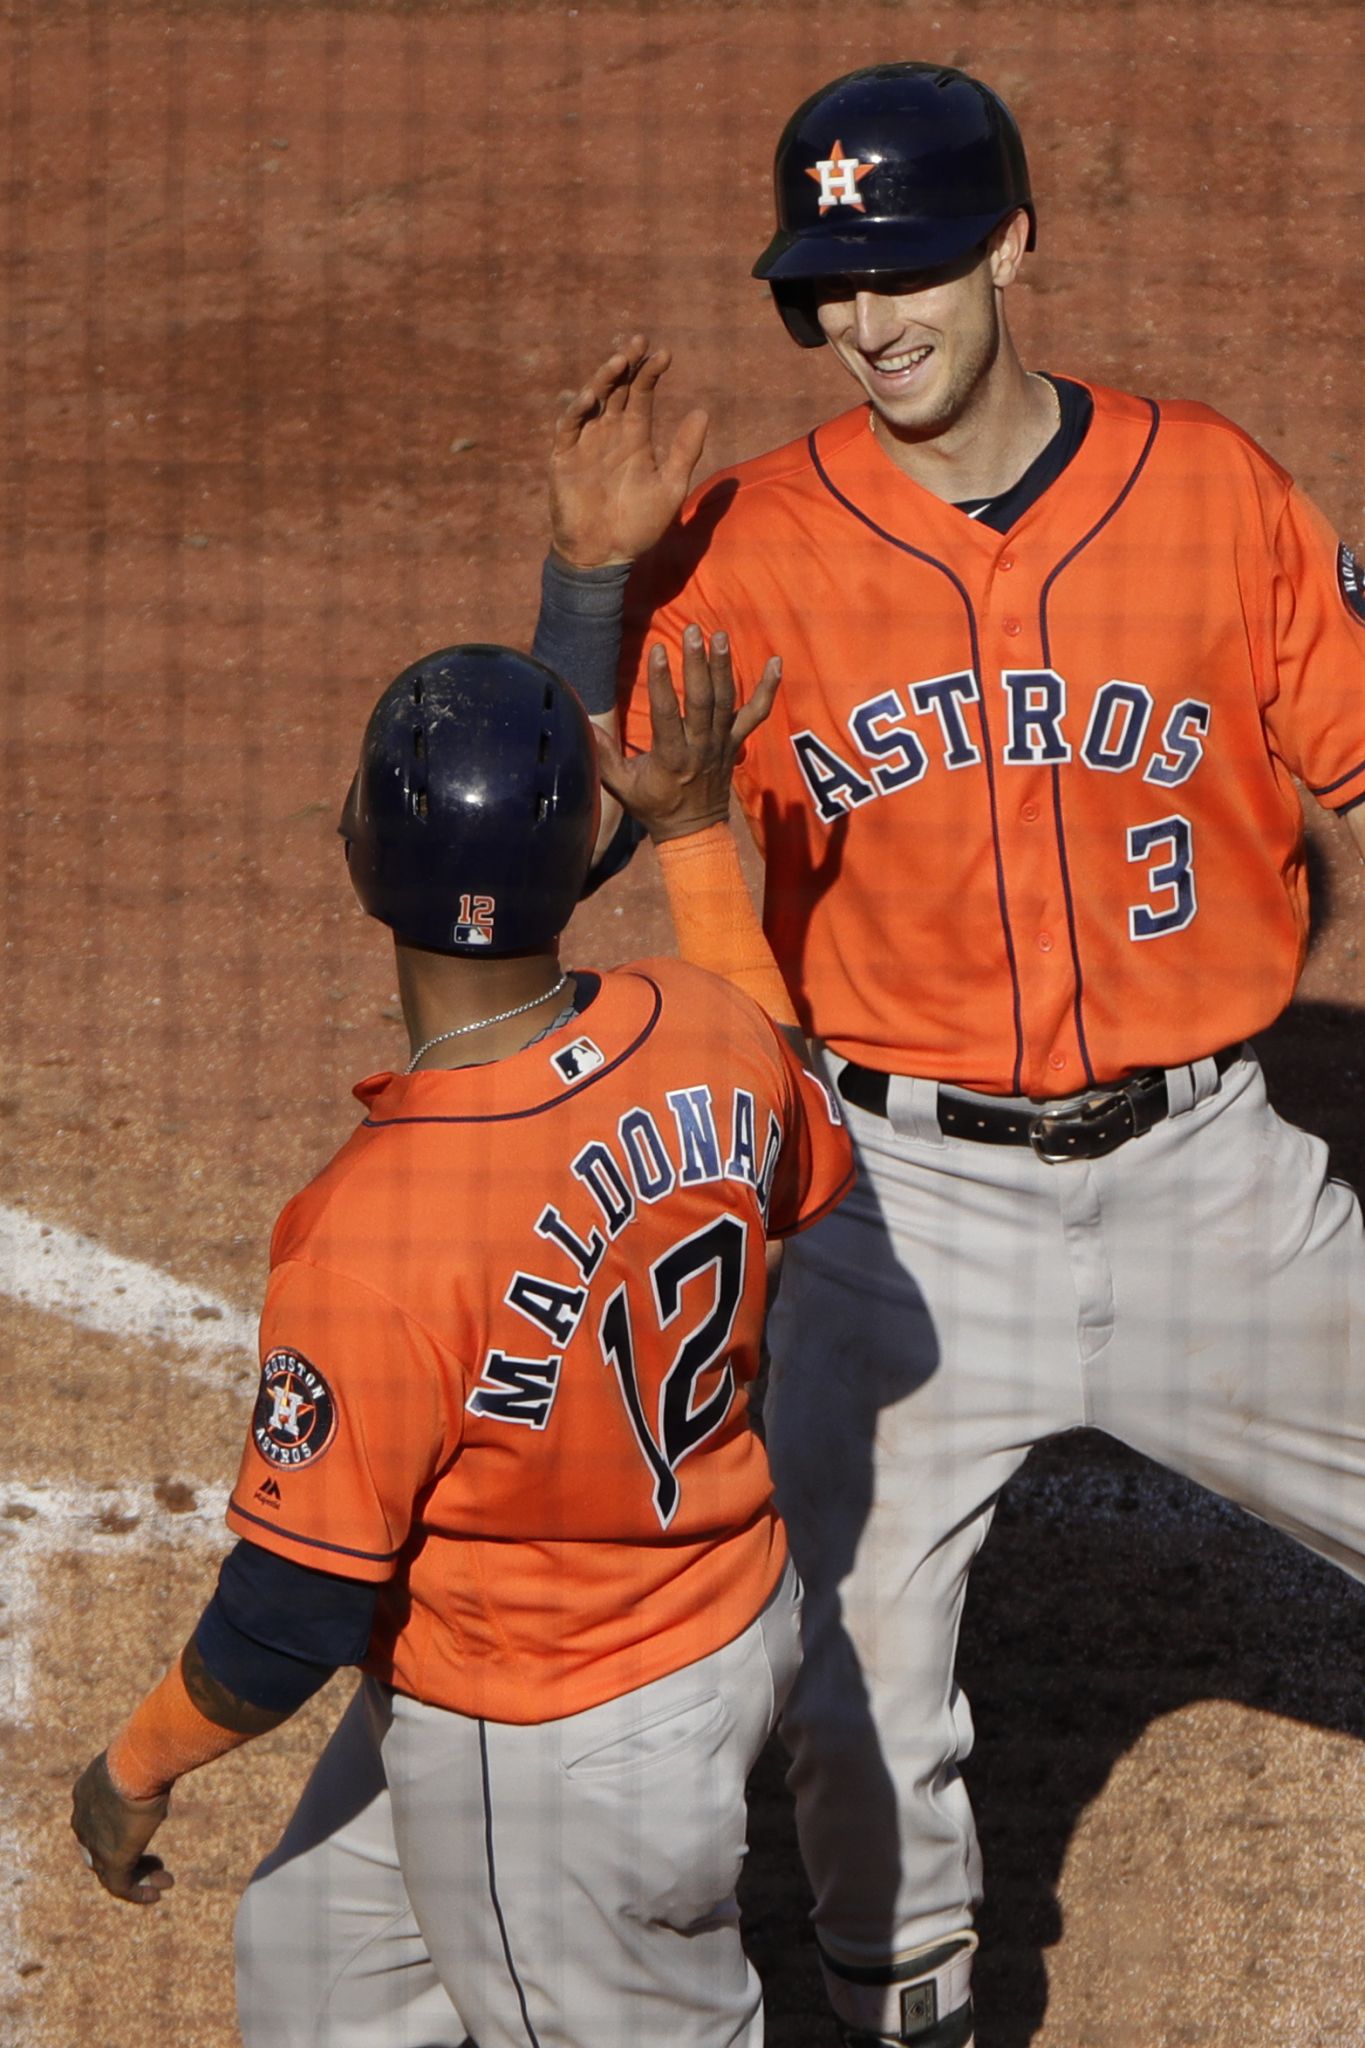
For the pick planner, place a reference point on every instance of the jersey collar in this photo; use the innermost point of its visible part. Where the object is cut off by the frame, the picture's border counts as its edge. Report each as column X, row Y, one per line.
column 852, row 463
column 593, row 1044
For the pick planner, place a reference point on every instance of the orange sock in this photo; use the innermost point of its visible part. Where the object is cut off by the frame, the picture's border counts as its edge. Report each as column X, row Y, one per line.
column 165, row 1737
column 715, row 920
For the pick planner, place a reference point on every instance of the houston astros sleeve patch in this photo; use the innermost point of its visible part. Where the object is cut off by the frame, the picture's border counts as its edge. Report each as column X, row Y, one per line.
column 1351, row 581
column 295, row 1416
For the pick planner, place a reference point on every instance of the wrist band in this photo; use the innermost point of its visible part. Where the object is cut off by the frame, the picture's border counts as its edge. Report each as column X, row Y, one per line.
column 715, row 920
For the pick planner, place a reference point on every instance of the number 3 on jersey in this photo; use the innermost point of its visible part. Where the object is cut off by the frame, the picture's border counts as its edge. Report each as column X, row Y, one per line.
column 681, row 1421
column 1172, row 879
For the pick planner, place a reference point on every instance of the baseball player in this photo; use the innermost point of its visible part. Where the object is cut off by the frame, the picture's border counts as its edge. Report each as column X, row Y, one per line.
column 1054, row 659
column 500, row 1455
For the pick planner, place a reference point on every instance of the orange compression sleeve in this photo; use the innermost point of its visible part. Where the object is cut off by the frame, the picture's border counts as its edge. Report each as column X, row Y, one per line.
column 165, row 1737
column 715, row 920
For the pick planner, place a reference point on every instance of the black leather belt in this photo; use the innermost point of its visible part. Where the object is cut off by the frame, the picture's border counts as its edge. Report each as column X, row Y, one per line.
column 1086, row 1129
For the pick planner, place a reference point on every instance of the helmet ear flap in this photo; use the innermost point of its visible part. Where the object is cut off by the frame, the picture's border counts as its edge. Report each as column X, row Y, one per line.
column 349, row 823
column 796, row 303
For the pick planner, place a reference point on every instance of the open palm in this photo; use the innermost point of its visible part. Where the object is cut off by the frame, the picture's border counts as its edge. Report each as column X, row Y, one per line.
column 682, row 784
column 612, row 494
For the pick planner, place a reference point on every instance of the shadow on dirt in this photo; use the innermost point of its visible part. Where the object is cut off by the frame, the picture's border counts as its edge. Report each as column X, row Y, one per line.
column 1109, row 1593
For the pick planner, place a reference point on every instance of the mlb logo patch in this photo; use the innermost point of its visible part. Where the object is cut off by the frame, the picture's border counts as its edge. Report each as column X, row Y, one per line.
column 472, row 935
column 578, row 1059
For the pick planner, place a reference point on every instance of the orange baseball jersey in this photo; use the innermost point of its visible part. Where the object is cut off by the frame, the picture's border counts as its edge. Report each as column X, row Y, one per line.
column 1027, row 800
column 506, row 1343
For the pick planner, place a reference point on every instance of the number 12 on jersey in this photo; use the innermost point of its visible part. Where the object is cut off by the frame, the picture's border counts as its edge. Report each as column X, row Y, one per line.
column 681, row 1420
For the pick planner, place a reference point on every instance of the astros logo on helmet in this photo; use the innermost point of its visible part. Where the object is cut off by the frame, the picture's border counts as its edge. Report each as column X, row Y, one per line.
column 928, row 159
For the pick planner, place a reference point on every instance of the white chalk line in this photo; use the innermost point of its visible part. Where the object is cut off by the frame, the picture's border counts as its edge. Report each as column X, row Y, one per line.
column 64, row 1273
column 38, row 1522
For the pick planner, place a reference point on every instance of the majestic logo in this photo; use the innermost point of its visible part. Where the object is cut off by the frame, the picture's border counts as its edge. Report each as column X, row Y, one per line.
column 578, row 1059
column 295, row 1417
column 474, row 921
column 269, row 1495
column 839, row 177
column 1351, row 581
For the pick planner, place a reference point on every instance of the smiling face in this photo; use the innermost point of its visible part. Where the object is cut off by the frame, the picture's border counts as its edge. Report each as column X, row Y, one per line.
column 922, row 346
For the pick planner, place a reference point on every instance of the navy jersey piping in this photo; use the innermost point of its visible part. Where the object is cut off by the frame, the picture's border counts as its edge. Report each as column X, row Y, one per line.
column 1045, row 637
column 1072, row 937
column 508, row 1116
column 933, row 562
column 314, row 1542
column 811, row 1216
column 1326, row 788
column 495, row 1901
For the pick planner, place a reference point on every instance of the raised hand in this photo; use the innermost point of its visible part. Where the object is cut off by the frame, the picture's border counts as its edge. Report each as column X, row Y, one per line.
column 682, row 784
column 612, row 494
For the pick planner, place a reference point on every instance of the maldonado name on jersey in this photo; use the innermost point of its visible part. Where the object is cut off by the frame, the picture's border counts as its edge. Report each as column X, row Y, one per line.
column 636, row 1168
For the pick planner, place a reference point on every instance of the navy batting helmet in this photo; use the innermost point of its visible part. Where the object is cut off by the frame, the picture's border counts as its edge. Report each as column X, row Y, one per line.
column 899, row 167
column 470, row 823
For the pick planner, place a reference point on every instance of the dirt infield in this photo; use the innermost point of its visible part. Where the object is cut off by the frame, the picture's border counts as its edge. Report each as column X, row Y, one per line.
column 292, row 294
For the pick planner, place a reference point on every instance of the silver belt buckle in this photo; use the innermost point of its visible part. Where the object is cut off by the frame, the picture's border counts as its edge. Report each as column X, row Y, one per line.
column 1090, row 1128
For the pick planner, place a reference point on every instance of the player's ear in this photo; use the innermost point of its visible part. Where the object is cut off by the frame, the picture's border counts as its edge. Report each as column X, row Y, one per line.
column 1006, row 246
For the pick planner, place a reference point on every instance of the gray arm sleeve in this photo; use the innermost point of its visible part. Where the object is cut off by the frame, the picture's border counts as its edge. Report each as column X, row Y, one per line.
column 578, row 633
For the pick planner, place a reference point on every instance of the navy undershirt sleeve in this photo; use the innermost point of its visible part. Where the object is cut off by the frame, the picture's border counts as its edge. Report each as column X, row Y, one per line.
column 275, row 1631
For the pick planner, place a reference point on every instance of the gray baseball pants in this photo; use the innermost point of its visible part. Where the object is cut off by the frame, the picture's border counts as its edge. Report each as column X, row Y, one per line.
column 565, row 1885
column 1198, row 1293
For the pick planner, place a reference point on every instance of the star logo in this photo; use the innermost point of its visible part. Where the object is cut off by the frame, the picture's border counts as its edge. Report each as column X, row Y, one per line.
column 287, row 1405
column 839, row 177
